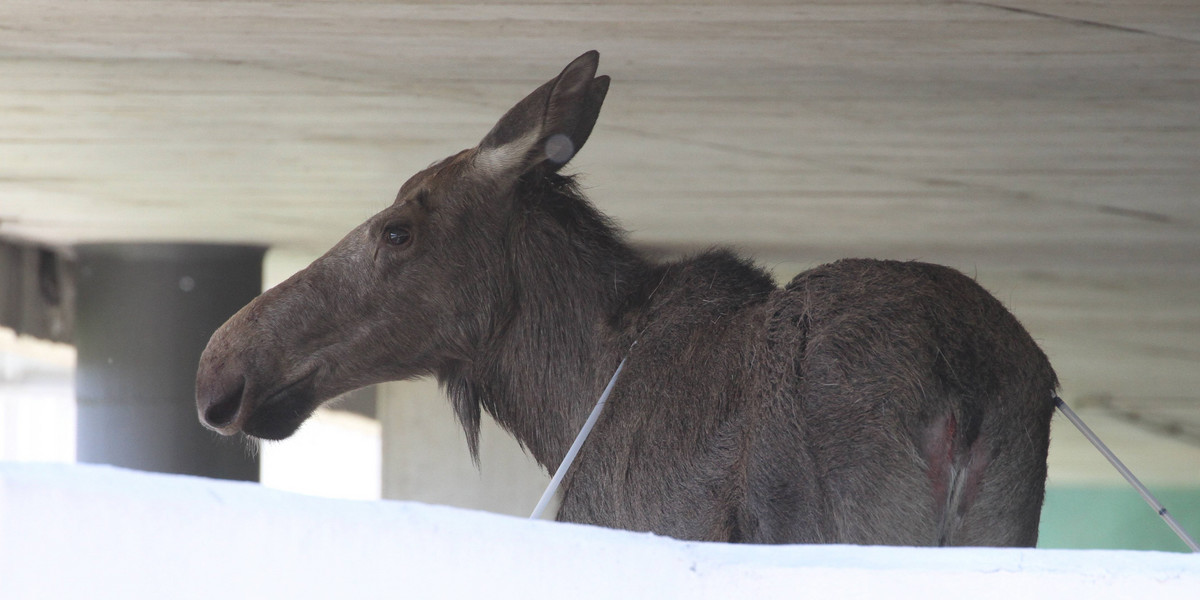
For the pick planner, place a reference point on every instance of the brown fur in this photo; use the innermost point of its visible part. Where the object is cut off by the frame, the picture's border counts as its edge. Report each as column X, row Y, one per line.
column 867, row 401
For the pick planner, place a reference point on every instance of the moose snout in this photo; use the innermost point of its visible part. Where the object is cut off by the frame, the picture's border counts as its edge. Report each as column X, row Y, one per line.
column 219, row 398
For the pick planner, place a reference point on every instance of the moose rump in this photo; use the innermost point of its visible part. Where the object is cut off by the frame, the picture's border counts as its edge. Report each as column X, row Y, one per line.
column 912, row 387
column 867, row 401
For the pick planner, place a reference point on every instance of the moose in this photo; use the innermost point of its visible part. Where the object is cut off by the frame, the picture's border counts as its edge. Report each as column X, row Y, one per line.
column 865, row 402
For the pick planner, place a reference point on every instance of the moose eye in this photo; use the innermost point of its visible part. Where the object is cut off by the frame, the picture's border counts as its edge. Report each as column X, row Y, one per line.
column 396, row 235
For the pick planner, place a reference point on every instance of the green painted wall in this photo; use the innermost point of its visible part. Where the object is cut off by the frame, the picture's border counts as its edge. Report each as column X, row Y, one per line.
column 1116, row 517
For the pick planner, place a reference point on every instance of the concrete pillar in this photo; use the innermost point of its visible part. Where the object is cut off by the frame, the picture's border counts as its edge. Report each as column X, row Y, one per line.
column 144, row 314
column 425, row 455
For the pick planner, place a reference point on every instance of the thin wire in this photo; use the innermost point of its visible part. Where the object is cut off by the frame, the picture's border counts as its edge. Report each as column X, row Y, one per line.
column 576, row 445
column 1127, row 474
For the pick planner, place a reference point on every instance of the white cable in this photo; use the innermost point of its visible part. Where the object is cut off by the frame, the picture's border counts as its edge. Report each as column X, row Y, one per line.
column 576, row 445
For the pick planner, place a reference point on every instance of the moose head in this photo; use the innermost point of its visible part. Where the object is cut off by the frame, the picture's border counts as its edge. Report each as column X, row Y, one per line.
column 413, row 291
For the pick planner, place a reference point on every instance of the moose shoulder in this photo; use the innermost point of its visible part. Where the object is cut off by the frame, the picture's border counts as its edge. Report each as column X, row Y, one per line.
column 873, row 402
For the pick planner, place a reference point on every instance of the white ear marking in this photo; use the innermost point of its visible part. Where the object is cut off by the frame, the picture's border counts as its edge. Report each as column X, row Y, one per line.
column 497, row 161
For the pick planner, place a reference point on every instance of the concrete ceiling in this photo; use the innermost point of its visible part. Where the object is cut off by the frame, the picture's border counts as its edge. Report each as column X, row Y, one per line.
column 1050, row 148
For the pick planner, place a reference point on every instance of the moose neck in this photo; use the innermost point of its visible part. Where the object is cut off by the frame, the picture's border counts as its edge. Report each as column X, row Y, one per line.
column 570, row 280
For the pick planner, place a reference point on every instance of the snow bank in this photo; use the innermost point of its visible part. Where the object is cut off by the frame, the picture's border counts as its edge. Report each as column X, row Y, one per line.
column 72, row 531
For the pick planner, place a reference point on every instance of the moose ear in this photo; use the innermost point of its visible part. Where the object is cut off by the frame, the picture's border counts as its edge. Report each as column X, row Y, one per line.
column 550, row 125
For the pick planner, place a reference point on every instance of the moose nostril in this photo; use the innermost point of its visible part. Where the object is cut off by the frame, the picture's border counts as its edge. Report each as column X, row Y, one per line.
column 220, row 406
column 223, row 412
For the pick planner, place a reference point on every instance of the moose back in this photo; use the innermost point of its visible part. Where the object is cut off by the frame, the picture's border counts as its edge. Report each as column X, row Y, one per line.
column 868, row 402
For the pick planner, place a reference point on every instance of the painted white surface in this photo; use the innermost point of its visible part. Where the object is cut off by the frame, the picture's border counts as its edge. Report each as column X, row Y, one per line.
column 72, row 531
column 425, row 456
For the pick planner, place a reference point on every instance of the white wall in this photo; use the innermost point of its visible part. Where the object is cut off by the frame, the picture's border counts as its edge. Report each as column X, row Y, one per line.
column 37, row 399
column 72, row 531
column 425, row 455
